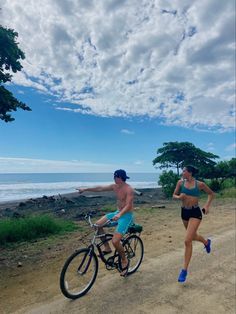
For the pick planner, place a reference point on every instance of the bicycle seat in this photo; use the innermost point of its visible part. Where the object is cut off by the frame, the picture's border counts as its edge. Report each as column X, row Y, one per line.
column 135, row 228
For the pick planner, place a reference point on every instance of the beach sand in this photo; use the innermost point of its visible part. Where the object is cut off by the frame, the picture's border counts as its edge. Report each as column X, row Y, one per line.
column 29, row 274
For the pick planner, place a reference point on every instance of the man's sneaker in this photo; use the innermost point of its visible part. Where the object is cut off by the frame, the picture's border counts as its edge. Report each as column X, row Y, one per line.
column 182, row 275
column 208, row 246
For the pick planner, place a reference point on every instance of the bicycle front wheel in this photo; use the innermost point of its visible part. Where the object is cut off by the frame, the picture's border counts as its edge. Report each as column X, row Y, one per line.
column 133, row 246
column 79, row 273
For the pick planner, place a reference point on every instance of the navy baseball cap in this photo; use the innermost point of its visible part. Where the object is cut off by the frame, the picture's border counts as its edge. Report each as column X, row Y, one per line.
column 120, row 173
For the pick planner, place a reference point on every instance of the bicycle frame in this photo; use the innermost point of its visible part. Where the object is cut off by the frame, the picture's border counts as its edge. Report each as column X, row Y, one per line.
column 108, row 236
column 80, row 269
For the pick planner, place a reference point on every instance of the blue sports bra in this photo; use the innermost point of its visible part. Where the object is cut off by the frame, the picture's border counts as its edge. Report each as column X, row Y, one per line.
column 191, row 192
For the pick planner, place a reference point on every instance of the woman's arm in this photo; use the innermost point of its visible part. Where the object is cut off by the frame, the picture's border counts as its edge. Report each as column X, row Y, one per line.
column 205, row 188
column 176, row 194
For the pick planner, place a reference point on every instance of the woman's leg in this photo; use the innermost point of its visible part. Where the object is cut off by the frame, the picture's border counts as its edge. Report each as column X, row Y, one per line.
column 185, row 222
column 197, row 237
column 200, row 238
column 191, row 231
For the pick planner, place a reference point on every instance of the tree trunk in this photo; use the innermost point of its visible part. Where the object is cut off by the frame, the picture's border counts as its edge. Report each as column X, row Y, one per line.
column 178, row 169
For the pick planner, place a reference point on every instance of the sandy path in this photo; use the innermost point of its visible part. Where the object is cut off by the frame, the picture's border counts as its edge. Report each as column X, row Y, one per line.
column 210, row 287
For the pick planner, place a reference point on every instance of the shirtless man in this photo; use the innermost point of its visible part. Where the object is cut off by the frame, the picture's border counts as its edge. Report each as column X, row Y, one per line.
column 123, row 215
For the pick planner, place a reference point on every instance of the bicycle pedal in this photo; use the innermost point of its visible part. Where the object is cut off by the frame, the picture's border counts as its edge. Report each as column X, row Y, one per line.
column 110, row 261
column 111, row 264
column 110, row 267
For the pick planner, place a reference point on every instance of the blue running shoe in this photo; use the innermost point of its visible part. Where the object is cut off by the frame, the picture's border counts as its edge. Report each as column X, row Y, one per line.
column 182, row 275
column 208, row 246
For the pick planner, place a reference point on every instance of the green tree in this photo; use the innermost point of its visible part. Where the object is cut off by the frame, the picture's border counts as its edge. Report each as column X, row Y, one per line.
column 232, row 168
column 168, row 180
column 223, row 175
column 224, row 170
column 179, row 154
column 10, row 54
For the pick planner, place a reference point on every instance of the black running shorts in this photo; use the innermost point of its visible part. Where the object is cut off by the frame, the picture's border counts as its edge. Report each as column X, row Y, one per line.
column 193, row 212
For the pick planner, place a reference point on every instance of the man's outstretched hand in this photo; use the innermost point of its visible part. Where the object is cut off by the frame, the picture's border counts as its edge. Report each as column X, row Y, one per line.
column 80, row 190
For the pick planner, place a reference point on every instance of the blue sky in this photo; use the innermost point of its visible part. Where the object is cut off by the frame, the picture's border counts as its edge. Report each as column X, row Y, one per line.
column 110, row 82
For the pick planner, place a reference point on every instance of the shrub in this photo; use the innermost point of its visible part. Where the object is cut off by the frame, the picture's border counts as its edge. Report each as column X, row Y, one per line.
column 228, row 193
column 214, row 185
column 228, row 183
column 168, row 180
column 26, row 229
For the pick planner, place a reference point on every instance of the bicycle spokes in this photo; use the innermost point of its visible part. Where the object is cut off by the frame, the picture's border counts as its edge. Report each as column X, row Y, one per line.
column 79, row 273
column 130, row 252
column 133, row 247
column 85, row 263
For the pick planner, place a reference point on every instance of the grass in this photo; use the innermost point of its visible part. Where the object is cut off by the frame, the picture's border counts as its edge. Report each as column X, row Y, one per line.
column 14, row 230
column 228, row 192
column 108, row 208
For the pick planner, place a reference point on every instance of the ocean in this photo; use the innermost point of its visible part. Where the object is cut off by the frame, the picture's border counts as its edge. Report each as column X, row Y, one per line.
column 17, row 186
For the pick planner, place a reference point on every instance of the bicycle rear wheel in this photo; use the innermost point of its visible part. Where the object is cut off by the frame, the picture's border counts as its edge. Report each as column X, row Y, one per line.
column 133, row 246
column 79, row 273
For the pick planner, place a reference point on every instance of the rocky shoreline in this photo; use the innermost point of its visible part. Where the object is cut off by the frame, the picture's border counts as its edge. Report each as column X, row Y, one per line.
column 74, row 206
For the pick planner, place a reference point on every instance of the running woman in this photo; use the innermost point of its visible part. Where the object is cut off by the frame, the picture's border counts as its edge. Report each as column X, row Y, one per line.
column 188, row 190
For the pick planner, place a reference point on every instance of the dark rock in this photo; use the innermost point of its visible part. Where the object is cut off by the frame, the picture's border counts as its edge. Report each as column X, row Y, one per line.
column 8, row 209
column 69, row 201
column 93, row 196
column 16, row 215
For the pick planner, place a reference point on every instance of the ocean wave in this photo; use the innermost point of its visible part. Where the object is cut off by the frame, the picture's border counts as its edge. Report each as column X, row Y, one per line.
column 19, row 191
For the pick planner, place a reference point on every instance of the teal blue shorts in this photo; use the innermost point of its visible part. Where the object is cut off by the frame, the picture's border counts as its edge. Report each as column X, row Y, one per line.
column 123, row 222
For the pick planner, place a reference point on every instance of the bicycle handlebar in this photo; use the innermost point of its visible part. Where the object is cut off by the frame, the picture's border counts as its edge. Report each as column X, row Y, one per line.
column 92, row 225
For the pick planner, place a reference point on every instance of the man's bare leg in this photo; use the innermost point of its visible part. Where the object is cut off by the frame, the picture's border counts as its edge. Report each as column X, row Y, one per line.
column 102, row 221
column 118, row 246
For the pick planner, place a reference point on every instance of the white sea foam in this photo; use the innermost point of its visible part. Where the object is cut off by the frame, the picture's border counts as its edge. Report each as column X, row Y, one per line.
column 19, row 191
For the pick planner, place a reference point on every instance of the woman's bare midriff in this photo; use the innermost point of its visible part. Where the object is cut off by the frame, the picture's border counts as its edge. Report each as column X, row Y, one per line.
column 190, row 201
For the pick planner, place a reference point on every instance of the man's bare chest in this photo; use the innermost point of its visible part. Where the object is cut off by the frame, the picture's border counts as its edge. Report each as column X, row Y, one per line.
column 121, row 195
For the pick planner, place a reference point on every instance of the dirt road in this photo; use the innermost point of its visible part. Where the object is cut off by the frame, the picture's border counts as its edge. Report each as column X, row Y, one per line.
column 209, row 289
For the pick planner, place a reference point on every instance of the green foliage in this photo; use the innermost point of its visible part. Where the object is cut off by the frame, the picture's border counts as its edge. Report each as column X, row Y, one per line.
column 228, row 183
column 9, row 103
column 223, row 175
column 26, row 229
column 214, row 185
column 228, row 193
column 180, row 154
column 108, row 208
column 226, row 169
column 168, row 180
column 10, row 54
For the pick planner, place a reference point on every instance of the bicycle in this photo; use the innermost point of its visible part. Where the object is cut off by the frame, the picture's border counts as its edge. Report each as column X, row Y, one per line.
column 80, row 269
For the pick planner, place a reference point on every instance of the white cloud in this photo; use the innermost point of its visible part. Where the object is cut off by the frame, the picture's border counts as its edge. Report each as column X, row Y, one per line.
column 139, row 162
column 170, row 60
column 29, row 165
column 125, row 131
column 16, row 165
column 211, row 146
column 231, row 147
